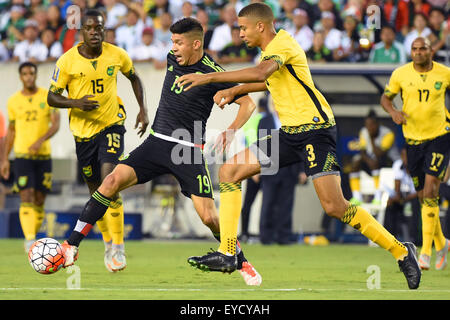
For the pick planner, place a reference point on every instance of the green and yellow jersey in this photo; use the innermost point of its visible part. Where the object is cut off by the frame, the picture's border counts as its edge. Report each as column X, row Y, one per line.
column 296, row 99
column 31, row 116
column 423, row 96
column 81, row 76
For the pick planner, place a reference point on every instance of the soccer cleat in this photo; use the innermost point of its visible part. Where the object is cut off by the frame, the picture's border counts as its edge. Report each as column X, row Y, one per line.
column 441, row 256
column 70, row 254
column 410, row 267
column 214, row 261
column 108, row 259
column 424, row 261
column 27, row 244
column 250, row 275
column 118, row 260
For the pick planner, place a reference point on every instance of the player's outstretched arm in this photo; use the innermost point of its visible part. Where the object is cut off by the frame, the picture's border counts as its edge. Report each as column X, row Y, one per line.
column 8, row 144
column 139, row 92
column 246, row 108
column 57, row 100
column 226, row 96
column 258, row 73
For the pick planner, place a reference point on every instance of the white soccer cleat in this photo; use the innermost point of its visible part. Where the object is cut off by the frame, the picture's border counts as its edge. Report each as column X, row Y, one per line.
column 118, row 260
column 70, row 254
column 250, row 275
column 441, row 256
column 424, row 261
column 108, row 259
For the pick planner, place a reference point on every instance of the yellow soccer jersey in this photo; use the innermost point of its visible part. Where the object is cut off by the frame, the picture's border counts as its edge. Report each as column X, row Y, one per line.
column 31, row 117
column 296, row 99
column 423, row 96
column 81, row 76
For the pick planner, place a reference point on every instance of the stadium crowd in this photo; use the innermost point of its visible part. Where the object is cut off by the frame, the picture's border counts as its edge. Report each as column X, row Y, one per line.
column 328, row 30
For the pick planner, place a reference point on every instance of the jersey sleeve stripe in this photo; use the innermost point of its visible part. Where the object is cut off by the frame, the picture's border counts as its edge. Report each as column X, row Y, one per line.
column 309, row 91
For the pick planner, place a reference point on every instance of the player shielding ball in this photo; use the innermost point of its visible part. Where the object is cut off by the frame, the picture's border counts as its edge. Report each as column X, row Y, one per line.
column 165, row 152
column 308, row 133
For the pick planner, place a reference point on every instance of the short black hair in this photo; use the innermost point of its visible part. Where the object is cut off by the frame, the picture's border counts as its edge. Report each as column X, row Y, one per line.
column 187, row 25
column 92, row 13
column 372, row 115
column 388, row 26
column 257, row 10
column 27, row 64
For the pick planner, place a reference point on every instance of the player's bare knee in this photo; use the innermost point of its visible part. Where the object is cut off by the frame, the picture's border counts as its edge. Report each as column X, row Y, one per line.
column 229, row 173
column 333, row 209
column 110, row 185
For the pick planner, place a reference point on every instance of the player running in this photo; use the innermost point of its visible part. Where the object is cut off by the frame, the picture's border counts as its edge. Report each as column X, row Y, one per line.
column 89, row 72
column 308, row 133
column 165, row 151
column 426, row 126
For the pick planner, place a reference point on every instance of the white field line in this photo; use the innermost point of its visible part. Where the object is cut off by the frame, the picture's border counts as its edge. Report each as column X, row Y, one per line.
column 230, row 290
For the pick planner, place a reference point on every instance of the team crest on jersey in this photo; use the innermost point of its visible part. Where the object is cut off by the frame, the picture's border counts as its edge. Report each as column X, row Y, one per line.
column 87, row 171
column 438, row 85
column 110, row 71
column 42, row 105
column 22, row 181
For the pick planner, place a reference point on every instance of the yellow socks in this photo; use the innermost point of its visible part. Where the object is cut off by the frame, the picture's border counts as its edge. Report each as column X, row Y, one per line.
column 430, row 216
column 363, row 221
column 115, row 221
column 102, row 224
column 39, row 217
column 27, row 218
column 439, row 238
column 229, row 212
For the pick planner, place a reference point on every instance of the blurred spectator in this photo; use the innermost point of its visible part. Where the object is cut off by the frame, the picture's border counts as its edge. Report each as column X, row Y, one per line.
column 439, row 32
column 319, row 52
column 96, row 4
column 285, row 19
column 406, row 10
column 388, row 50
column 15, row 25
column 377, row 150
column 54, row 47
column 439, row 3
column 31, row 48
column 237, row 51
column 110, row 36
column 187, row 9
column 348, row 50
column 332, row 35
column 301, row 30
column 325, row 6
column 149, row 50
column 40, row 16
column 212, row 9
column 4, row 54
column 163, row 34
column 420, row 29
column 202, row 17
column 222, row 34
column 115, row 13
column 158, row 8
column 54, row 20
column 129, row 35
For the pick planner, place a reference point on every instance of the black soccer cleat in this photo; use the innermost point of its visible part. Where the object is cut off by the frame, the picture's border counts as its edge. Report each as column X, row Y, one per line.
column 410, row 266
column 214, row 261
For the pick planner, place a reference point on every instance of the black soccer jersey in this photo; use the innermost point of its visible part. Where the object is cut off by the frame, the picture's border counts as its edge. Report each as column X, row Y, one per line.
column 183, row 114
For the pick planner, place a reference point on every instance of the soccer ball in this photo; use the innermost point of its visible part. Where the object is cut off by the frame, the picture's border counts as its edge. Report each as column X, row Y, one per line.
column 46, row 256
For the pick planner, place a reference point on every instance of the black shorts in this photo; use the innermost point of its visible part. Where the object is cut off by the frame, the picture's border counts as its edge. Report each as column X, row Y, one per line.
column 430, row 157
column 106, row 147
column 155, row 157
column 36, row 174
column 316, row 148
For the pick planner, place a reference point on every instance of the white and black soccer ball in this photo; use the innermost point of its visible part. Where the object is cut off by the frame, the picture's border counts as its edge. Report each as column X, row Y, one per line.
column 46, row 256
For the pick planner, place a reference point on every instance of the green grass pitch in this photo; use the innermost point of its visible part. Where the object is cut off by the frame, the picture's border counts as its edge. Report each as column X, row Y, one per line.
column 157, row 270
